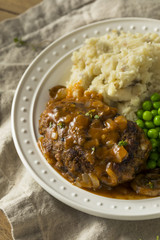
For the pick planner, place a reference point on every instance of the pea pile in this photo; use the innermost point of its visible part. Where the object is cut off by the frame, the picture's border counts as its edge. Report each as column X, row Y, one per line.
column 149, row 121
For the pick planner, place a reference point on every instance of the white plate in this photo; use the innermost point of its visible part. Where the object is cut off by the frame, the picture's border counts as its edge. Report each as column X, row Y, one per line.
column 50, row 68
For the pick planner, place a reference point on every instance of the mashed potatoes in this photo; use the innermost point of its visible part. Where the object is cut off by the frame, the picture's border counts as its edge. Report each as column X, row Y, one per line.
column 123, row 67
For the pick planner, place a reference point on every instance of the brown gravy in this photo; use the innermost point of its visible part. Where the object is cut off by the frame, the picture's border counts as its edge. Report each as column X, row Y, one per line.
column 122, row 191
column 88, row 123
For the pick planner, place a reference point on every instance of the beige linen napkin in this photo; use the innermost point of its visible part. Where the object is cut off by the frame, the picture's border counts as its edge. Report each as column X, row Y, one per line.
column 31, row 211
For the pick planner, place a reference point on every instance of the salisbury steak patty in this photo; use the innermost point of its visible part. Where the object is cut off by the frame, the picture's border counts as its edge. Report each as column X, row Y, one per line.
column 88, row 142
column 138, row 149
column 147, row 183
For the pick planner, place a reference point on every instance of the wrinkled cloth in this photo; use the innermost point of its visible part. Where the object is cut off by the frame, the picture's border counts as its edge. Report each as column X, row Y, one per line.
column 31, row 211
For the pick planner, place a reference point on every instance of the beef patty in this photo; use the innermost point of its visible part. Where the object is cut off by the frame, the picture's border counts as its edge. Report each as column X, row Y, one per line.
column 88, row 142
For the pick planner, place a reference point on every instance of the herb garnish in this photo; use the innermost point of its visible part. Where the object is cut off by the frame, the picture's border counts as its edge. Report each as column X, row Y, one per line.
column 50, row 124
column 96, row 117
column 93, row 149
column 61, row 124
column 19, row 41
column 122, row 143
column 150, row 184
column 90, row 114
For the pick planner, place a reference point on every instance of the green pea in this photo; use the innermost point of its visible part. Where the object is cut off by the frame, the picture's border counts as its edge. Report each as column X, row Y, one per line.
column 149, row 124
column 153, row 133
column 145, row 131
column 158, row 111
column 157, row 120
column 147, row 105
column 140, row 113
column 151, row 164
column 154, row 112
column 147, row 116
column 158, row 142
column 140, row 123
column 156, row 105
column 158, row 129
column 155, row 97
column 154, row 143
column 158, row 163
column 154, row 149
column 154, row 156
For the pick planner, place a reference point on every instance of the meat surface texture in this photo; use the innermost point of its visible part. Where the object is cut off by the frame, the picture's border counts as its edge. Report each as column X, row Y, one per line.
column 138, row 149
column 88, row 142
column 147, row 183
